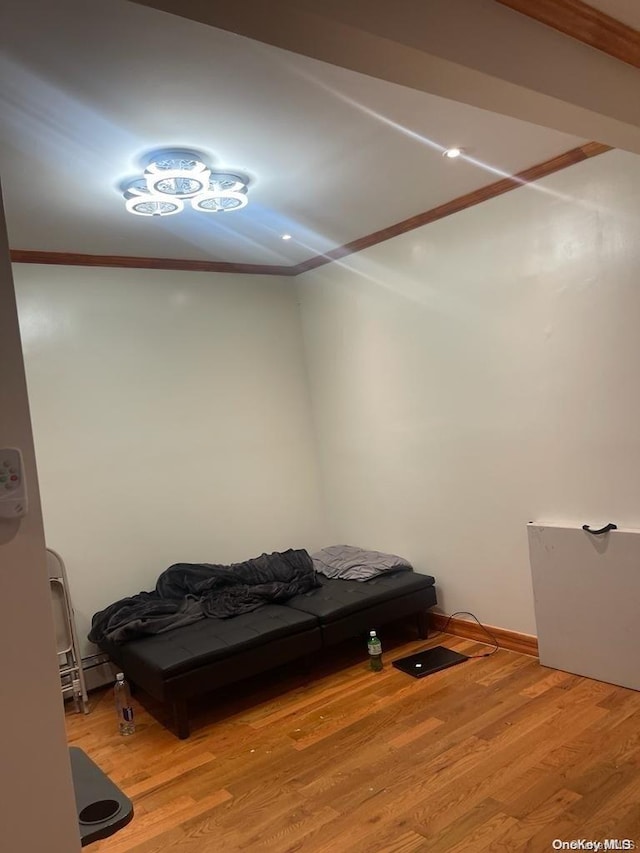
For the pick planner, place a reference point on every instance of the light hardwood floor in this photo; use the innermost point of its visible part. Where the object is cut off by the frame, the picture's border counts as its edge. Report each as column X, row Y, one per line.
column 497, row 754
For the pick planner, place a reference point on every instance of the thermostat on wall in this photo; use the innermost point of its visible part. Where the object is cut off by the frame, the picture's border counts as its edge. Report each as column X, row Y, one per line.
column 13, row 489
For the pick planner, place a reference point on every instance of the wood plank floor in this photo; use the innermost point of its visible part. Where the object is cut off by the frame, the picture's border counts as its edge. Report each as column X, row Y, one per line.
column 497, row 754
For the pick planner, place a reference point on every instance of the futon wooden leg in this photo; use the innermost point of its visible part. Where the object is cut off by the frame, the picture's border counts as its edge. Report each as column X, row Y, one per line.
column 423, row 625
column 181, row 718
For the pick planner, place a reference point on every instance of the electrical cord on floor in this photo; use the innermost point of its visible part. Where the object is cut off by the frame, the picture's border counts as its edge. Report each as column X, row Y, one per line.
column 486, row 630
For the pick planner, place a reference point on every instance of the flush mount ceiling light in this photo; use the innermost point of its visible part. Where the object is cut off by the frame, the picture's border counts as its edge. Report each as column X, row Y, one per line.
column 452, row 153
column 174, row 175
column 225, row 192
column 143, row 203
column 177, row 177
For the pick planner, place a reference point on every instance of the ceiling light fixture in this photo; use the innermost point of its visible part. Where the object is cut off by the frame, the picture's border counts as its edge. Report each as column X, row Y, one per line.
column 286, row 236
column 144, row 203
column 173, row 176
column 452, row 153
column 224, row 192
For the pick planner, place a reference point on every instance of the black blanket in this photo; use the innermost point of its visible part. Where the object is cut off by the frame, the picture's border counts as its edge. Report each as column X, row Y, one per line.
column 186, row 592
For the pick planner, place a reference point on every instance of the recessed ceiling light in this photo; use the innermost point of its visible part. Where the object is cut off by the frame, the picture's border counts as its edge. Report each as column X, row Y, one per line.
column 286, row 236
column 452, row 153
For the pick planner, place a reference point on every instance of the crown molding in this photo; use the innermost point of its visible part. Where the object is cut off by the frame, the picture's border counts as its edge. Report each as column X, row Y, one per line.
column 504, row 185
column 72, row 259
column 584, row 23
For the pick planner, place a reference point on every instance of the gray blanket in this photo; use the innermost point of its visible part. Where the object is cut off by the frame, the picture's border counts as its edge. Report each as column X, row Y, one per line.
column 187, row 592
column 351, row 563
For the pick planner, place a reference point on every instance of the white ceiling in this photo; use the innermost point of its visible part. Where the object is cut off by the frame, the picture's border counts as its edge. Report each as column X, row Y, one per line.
column 332, row 155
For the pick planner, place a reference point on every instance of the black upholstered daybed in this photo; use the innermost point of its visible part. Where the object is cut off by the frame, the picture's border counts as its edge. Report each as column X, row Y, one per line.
column 177, row 665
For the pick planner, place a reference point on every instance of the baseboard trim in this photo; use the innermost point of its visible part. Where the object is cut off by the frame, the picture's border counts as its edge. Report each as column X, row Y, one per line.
column 526, row 644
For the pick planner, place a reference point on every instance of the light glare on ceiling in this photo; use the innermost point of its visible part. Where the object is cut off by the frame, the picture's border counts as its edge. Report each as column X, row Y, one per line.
column 286, row 236
column 452, row 153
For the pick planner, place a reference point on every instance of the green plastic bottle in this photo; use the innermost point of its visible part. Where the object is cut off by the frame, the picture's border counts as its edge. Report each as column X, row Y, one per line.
column 375, row 652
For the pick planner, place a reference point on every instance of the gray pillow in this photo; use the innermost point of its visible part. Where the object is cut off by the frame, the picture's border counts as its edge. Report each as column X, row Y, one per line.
column 351, row 563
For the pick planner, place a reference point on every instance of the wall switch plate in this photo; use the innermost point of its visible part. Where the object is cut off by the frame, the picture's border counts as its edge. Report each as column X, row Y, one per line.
column 13, row 489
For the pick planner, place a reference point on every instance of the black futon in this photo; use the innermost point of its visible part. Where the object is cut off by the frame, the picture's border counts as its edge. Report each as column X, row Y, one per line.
column 189, row 661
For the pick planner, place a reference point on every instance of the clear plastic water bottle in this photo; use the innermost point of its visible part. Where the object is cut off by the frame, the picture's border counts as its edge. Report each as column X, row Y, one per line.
column 124, row 708
column 375, row 651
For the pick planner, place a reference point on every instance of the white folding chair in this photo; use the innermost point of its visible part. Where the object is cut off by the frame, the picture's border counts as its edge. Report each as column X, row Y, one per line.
column 71, row 672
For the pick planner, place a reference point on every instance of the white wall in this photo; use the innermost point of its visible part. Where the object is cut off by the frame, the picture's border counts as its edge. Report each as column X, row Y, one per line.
column 171, row 422
column 466, row 378
column 482, row 372
column 37, row 806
